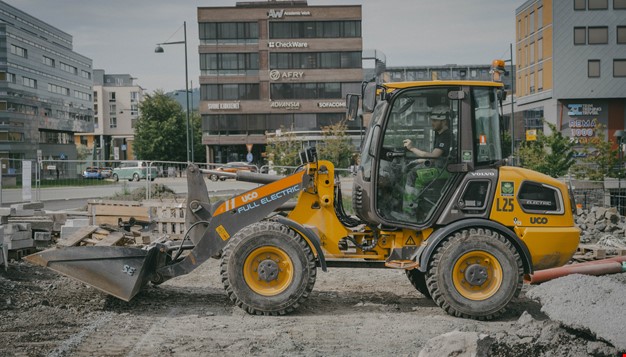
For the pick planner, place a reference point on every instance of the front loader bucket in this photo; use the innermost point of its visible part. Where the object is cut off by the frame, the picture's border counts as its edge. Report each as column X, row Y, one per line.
column 118, row 271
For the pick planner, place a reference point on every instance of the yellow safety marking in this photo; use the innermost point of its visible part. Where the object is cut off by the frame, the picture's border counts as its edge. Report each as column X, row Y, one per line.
column 410, row 241
column 222, row 232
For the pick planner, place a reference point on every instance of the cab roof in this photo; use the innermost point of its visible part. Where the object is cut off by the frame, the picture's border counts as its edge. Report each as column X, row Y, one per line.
column 401, row 85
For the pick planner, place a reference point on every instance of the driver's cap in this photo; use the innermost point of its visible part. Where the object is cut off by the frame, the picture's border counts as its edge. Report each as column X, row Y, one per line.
column 440, row 113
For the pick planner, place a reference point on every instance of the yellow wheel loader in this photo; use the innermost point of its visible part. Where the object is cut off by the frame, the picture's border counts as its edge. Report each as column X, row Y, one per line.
column 464, row 227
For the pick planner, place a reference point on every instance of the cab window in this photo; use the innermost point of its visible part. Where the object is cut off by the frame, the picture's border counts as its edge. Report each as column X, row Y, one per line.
column 486, row 126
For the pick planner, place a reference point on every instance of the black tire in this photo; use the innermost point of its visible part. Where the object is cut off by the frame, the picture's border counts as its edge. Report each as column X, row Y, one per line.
column 115, row 178
column 418, row 280
column 213, row 177
column 222, row 178
column 136, row 177
column 474, row 274
column 275, row 285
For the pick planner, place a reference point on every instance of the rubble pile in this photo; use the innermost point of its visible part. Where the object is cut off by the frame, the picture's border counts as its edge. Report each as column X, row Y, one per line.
column 602, row 228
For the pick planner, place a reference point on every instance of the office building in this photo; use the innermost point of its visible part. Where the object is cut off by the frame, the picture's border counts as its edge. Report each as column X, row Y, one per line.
column 116, row 109
column 571, row 66
column 272, row 66
column 45, row 90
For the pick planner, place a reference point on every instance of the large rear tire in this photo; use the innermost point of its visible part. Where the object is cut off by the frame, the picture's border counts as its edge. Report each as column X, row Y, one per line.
column 268, row 269
column 474, row 274
column 418, row 280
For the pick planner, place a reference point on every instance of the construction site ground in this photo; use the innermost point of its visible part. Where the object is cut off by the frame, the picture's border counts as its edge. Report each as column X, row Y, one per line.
column 351, row 312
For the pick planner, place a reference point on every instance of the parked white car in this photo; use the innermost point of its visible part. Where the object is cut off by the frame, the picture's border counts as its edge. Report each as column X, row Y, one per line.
column 134, row 171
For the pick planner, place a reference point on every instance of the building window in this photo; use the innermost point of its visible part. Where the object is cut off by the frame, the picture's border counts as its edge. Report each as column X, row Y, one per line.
column 315, row 60
column 598, row 35
column 315, row 29
column 241, row 64
column 619, row 4
column 532, row 52
column 540, row 80
column 539, row 49
column 29, row 82
column 531, row 18
column 111, row 96
column 48, row 61
column 19, row 51
column 619, row 68
column 593, row 68
column 621, row 35
column 519, row 29
column 11, row 78
column 58, row 89
column 580, row 35
column 212, row 33
column 580, row 4
column 68, row 68
column 242, row 91
column 520, row 59
column 113, row 122
column 598, row 4
column 85, row 74
column 532, row 83
column 539, row 17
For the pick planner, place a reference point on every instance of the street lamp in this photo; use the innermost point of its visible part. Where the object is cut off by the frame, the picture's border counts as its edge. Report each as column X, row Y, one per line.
column 159, row 49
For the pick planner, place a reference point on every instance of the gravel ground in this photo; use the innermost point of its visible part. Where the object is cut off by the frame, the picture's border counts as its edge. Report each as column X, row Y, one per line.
column 351, row 312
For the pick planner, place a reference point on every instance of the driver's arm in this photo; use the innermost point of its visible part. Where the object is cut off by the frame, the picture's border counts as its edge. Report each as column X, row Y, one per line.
column 437, row 152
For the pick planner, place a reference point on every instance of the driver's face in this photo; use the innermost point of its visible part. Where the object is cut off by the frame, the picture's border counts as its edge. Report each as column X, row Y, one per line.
column 437, row 124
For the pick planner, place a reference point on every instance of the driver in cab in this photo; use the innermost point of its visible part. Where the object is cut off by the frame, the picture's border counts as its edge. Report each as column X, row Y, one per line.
column 440, row 121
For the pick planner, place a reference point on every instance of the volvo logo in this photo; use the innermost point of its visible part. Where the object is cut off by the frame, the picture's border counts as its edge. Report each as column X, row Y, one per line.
column 538, row 220
column 249, row 196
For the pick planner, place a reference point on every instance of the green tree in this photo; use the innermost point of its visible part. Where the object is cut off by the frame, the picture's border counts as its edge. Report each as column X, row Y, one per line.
column 160, row 129
column 283, row 149
column 550, row 154
column 336, row 146
column 199, row 152
column 599, row 159
column 506, row 144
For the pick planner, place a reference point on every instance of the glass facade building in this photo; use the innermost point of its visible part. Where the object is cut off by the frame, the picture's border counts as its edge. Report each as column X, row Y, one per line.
column 45, row 90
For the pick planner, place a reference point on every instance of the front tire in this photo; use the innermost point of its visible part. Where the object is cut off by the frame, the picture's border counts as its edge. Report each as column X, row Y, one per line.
column 418, row 280
column 115, row 178
column 268, row 269
column 474, row 274
column 136, row 177
column 213, row 177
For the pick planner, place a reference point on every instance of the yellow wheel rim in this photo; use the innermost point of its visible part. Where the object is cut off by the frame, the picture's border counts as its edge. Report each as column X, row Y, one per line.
column 268, row 271
column 477, row 275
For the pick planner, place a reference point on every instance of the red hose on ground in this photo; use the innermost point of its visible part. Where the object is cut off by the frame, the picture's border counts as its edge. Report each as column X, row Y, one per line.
column 597, row 267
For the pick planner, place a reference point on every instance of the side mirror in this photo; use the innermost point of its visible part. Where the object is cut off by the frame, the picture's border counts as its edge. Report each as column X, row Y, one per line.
column 502, row 95
column 352, row 105
column 369, row 97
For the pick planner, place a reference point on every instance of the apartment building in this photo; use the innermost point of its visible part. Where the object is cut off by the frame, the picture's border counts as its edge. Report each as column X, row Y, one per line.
column 272, row 66
column 45, row 90
column 116, row 100
column 571, row 66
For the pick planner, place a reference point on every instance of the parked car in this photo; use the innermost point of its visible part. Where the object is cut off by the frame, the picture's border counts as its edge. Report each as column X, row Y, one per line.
column 106, row 172
column 134, row 171
column 232, row 167
column 92, row 173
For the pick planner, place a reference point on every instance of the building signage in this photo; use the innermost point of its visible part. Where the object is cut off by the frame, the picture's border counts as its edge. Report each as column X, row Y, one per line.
column 287, row 44
column 339, row 104
column 583, row 128
column 223, row 106
column 583, row 109
column 278, row 75
column 285, row 105
column 279, row 14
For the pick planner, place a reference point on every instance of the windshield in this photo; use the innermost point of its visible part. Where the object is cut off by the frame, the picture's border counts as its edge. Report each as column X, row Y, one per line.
column 486, row 126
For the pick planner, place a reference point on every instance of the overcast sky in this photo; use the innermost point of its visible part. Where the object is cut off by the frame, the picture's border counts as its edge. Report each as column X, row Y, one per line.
column 120, row 35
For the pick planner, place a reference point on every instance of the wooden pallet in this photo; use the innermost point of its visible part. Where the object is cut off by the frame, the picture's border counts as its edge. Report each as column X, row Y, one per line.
column 169, row 216
column 599, row 252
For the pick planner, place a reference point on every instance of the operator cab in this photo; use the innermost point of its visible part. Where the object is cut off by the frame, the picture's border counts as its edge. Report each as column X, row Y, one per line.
column 456, row 127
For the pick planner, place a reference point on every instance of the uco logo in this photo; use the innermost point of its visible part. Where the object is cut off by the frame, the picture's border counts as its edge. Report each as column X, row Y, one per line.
column 274, row 75
column 538, row 220
column 249, row 196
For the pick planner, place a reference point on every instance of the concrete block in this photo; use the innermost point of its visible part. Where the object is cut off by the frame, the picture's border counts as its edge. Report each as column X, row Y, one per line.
column 42, row 236
column 77, row 222
column 7, row 211
column 20, row 244
column 24, row 213
column 28, row 205
column 12, row 228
